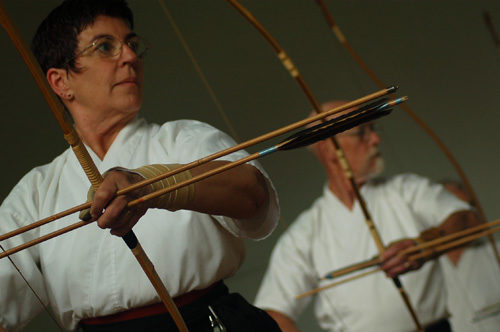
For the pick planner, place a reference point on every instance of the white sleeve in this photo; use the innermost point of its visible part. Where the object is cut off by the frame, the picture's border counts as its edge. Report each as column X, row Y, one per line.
column 18, row 303
column 260, row 226
column 290, row 271
column 430, row 201
column 200, row 140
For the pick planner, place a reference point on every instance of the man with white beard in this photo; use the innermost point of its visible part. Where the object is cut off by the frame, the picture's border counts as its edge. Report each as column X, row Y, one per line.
column 333, row 234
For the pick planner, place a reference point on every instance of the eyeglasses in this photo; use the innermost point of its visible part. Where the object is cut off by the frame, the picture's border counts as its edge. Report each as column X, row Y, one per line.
column 110, row 46
column 363, row 131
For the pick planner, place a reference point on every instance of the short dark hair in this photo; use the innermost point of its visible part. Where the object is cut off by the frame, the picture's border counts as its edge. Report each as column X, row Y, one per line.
column 56, row 39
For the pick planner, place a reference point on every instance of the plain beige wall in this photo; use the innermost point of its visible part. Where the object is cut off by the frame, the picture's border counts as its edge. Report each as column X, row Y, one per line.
column 439, row 53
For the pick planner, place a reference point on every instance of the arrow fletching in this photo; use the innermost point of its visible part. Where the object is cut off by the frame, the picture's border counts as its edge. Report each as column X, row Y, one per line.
column 339, row 124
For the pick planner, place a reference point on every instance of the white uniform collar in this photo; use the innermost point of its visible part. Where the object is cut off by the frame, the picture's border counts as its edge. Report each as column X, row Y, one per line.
column 128, row 135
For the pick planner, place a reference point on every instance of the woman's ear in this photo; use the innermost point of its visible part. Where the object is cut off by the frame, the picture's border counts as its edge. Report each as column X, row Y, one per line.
column 58, row 81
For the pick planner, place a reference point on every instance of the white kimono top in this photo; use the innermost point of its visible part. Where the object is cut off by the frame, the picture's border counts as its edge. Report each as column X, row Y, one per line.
column 329, row 236
column 89, row 272
column 473, row 288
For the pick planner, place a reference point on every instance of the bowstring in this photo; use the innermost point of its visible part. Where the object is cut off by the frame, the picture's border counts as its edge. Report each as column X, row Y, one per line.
column 204, row 79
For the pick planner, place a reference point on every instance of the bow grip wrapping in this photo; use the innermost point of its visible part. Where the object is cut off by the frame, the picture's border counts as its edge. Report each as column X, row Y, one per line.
column 84, row 158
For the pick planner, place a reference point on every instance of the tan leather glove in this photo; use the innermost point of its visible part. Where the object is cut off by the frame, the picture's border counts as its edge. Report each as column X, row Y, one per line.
column 172, row 201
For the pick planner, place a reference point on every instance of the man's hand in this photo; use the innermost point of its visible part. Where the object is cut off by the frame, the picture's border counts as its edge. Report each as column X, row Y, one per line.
column 112, row 212
column 394, row 263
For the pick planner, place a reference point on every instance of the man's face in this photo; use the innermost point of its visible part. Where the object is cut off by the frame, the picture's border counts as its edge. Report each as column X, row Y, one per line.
column 110, row 86
column 360, row 145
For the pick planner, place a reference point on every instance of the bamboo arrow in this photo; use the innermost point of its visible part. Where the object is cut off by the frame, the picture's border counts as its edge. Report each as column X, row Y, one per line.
column 300, row 139
column 425, row 251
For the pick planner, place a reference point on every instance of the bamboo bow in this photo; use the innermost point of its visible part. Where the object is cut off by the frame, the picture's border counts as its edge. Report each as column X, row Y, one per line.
column 491, row 28
column 359, row 61
column 292, row 69
column 86, row 161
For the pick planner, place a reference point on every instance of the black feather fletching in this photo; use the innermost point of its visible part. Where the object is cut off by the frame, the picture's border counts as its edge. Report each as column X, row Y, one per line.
column 336, row 125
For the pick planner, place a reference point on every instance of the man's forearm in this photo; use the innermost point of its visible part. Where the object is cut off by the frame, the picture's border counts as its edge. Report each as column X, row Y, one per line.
column 458, row 221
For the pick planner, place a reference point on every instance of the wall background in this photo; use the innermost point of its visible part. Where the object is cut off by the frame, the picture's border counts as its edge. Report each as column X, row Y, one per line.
column 439, row 53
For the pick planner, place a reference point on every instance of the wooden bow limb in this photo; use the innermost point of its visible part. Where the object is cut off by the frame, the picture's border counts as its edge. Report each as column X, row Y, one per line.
column 86, row 161
column 295, row 141
column 44, row 306
column 491, row 29
column 294, row 72
column 343, row 40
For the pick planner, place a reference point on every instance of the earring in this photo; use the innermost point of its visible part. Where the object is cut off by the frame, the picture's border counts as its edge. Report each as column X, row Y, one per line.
column 69, row 95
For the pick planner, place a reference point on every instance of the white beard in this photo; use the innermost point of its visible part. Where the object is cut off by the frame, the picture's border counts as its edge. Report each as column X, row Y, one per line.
column 378, row 169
